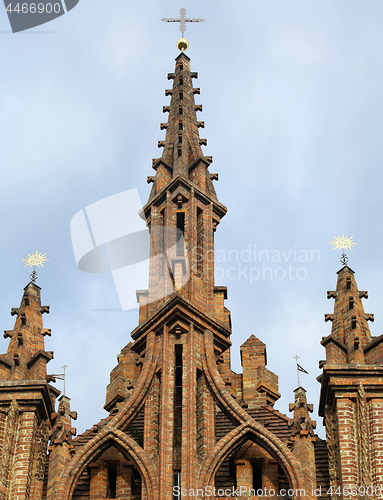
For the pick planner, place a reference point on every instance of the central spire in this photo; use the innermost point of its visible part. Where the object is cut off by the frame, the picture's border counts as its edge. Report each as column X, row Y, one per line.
column 182, row 155
column 182, row 144
column 182, row 204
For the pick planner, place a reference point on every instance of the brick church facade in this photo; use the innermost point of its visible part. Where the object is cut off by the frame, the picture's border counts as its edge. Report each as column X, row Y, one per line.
column 181, row 422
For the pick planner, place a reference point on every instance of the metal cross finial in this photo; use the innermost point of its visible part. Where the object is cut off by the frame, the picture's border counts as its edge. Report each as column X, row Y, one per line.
column 182, row 20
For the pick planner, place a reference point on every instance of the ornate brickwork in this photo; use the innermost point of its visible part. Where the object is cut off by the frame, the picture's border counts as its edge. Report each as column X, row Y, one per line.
column 10, row 438
column 62, row 430
column 178, row 415
column 174, row 380
column 351, row 385
column 42, row 450
column 26, row 401
column 364, row 478
column 333, row 449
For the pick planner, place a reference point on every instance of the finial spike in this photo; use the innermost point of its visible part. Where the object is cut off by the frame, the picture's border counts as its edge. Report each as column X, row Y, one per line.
column 34, row 260
column 343, row 243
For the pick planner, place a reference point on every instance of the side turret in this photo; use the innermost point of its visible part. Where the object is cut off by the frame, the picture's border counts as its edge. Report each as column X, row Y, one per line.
column 352, row 392
column 26, row 357
column 27, row 401
column 350, row 333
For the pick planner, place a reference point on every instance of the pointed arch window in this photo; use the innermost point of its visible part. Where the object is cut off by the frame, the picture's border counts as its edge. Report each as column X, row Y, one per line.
column 111, row 487
column 353, row 323
column 257, row 475
column 180, row 234
column 200, row 243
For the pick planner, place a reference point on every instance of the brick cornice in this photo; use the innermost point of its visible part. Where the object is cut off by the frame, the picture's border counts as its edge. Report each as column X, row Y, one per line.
column 30, row 395
column 132, row 405
column 259, row 434
column 331, row 338
column 47, row 355
column 264, row 387
column 178, row 180
column 114, row 429
column 101, row 441
column 177, row 303
column 182, row 55
column 374, row 343
column 246, row 427
column 223, row 397
column 159, row 161
column 346, row 269
column 5, row 361
column 346, row 379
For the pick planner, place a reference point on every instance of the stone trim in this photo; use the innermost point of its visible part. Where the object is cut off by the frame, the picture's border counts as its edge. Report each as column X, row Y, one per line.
column 129, row 408
column 124, row 443
column 264, row 438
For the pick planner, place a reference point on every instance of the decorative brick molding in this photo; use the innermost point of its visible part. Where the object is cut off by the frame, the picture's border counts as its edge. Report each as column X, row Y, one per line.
column 103, row 440
column 9, row 439
column 178, row 414
column 351, row 386
column 251, row 430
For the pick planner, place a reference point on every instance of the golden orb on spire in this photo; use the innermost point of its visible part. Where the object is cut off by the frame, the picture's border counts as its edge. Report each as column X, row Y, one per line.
column 182, row 44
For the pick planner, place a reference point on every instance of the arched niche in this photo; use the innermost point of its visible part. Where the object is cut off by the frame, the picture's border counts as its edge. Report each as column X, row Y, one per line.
column 115, row 449
column 110, row 475
column 253, row 468
column 269, row 448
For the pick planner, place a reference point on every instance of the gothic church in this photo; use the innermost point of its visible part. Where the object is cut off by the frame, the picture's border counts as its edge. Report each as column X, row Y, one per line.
column 181, row 423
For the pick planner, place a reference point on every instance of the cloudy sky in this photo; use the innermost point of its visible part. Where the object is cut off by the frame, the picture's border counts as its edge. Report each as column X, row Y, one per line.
column 292, row 104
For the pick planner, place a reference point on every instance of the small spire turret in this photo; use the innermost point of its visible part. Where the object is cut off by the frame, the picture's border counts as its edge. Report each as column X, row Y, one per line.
column 27, row 398
column 350, row 332
column 351, row 387
column 26, row 352
column 302, row 438
column 301, row 423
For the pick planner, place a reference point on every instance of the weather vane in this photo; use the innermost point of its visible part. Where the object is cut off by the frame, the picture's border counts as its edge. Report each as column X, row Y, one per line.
column 35, row 260
column 343, row 243
column 182, row 43
column 299, row 369
column 61, row 376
